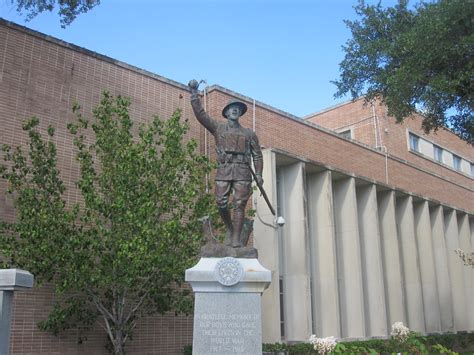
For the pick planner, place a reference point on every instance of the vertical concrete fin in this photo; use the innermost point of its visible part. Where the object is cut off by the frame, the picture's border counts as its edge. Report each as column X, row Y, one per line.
column 465, row 244
column 351, row 297
column 456, row 271
column 266, row 241
column 427, row 267
column 410, row 263
column 442, row 269
column 372, row 269
column 471, row 227
column 391, row 257
column 296, row 282
column 324, row 292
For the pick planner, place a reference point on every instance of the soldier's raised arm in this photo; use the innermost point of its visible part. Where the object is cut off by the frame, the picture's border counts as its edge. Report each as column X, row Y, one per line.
column 201, row 115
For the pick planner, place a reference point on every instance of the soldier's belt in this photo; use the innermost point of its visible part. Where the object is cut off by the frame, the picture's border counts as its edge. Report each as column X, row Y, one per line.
column 234, row 162
column 235, row 159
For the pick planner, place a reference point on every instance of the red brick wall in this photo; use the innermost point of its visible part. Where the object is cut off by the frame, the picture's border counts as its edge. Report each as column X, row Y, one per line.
column 356, row 116
column 165, row 334
column 30, row 307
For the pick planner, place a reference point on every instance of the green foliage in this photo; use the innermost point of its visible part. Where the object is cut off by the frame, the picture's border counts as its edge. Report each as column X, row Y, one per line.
column 362, row 348
column 38, row 189
column 251, row 212
column 188, row 350
column 415, row 344
column 419, row 59
column 440, row 349
column 275, row 347
column 463, row 343
column 121, row 252
column 68, row 9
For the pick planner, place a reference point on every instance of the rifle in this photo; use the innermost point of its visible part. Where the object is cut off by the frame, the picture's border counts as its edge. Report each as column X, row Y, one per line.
column 262, row 191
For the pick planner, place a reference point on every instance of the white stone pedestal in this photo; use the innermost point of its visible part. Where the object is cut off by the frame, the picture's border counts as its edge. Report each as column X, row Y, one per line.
column 10, row 280
column 227, row 308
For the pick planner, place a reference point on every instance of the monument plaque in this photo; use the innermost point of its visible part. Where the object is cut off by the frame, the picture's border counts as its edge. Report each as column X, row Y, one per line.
column 227, row 324
column 227, row 306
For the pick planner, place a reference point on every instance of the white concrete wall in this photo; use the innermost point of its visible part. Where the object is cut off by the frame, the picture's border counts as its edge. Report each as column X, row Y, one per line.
column 427, row 267
column 442, row 268
column 372, row 266
column 456, row 272
column 266, row 241
column 465, row 244
column 410, row 264
column 391, row 258
column 296, row 280
column 471, row 225
column 325, row 297
column 351, row 297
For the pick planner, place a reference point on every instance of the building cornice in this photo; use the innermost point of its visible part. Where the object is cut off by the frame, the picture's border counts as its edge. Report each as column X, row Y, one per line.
column 384, row 185
column 85, row 51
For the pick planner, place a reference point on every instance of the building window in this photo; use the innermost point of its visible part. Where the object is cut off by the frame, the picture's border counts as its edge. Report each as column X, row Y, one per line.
column 456, row 162
column 414, row 142
column 438, row 153
column 346, row 134
column 282, row 311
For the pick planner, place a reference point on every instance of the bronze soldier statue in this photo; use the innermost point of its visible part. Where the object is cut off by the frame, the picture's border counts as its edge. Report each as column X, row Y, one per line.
column 236, row 146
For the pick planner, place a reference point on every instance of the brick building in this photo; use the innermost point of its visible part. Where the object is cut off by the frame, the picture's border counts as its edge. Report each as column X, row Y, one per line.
column 373, row 209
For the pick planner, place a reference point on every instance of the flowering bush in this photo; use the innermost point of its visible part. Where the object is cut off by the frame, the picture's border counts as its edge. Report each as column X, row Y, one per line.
column 467, row 258
column 400, row 332
column 323, row 345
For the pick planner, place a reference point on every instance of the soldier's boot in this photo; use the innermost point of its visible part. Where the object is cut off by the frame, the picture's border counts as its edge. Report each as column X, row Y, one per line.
column 239, row 216
column 226, row 218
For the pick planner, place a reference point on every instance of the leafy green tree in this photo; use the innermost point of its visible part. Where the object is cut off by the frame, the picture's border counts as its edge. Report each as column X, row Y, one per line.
column 414, row 60
column 119, row 253
column 68, row 9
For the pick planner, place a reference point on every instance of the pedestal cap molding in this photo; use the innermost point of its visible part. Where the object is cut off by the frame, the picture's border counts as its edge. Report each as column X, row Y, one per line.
column 202, row 276
column 15, row 279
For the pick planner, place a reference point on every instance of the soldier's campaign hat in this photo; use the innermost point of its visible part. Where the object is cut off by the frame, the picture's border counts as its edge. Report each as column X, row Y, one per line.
column 243, row 107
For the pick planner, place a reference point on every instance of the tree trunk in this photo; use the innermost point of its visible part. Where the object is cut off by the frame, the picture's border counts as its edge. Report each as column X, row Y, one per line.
column 119, row 343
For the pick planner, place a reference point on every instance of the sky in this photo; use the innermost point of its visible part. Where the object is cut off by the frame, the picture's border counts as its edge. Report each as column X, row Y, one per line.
column 283, row 53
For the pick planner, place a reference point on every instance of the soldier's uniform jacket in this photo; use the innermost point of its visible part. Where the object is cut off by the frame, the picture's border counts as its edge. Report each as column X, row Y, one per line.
column 235, row 146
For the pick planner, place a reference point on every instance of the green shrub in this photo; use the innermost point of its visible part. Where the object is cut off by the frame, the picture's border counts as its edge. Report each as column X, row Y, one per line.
column 415, row 344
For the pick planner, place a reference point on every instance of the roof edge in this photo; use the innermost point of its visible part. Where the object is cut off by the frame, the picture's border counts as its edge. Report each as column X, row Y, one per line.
column 330, row 108
column 89, row 52
column 250, row 99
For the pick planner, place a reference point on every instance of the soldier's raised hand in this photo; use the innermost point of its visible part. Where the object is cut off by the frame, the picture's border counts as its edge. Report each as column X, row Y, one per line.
column 193, row 85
